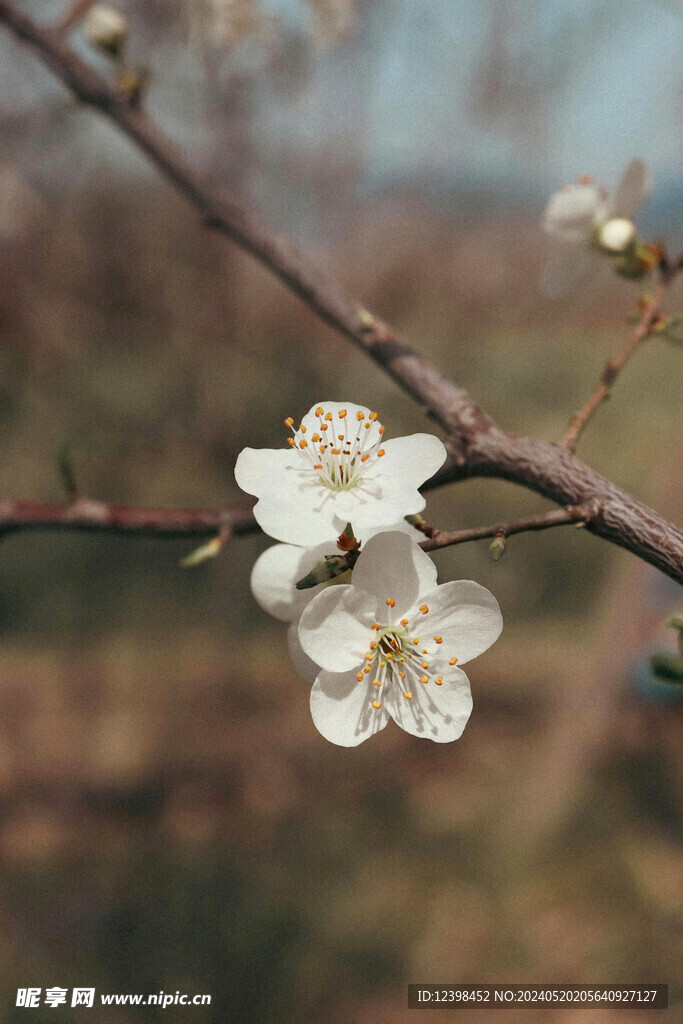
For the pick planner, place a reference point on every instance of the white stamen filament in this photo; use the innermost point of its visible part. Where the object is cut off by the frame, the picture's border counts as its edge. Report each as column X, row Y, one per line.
column 340, row 454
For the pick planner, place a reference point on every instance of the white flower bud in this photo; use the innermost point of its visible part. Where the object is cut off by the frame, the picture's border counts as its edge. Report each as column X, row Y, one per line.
column 615, row 235
column 106, row 29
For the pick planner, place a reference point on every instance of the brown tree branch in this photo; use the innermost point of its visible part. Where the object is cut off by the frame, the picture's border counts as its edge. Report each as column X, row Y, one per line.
column 643, row 330
column 86, row 516
column 477, row 446
column 578, row 515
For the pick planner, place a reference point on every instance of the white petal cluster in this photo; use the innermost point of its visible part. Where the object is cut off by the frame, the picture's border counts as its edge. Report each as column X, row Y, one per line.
column 391, row 643
column 338, row 469
column 582, row 219
column 380, row 640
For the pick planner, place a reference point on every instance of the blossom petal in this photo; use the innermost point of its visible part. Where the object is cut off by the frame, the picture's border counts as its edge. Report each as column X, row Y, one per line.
column 342, row 709
column 391, row 565
column 414, row 458
column 438, row 713
column 391, row 490
column 335, row 627
column 572, row 212
column 306, row 668
column 633, row 190
column 262, row 471
column 466, row 615
column 294, row 520
column 276, row 573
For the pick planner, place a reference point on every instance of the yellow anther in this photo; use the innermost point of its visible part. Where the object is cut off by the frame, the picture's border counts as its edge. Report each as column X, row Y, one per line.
column 391, row 602
column 323, row 426
column 407, row 694
column 360, row 416
column 402, row 675
column 373, row 415
column 439, row 680
column 416, row 640
column 290, row 440
column 382, row 429
column 425, row 651
column 373, row 645
column 424, row 609
column 424, row 679
column 328, row 417
column 289, row 422
column 377, row 704
column 368, row 656
column 367, row 426
column 382, row 664
column 425, row 664
column 390, row 657
column 404, row 622
column 302, row 428
column 335, row 451
column 340, row 437
column 366, row 669
column 342, row 414
column 380, row 453
column 364, row 458
column 401, row 659
column 359, row 677
column 319, row 411
column 376, row 682
column 438, row 639
column 318, row 465
column 303, row 444
column 315, row 438
column 453, row 661
column 376, row 625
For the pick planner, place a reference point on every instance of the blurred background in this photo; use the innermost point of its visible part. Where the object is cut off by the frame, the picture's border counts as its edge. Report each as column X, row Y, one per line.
column 169, row 817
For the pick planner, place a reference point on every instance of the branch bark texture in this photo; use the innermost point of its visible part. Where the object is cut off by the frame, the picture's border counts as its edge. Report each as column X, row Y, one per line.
column 477, row 446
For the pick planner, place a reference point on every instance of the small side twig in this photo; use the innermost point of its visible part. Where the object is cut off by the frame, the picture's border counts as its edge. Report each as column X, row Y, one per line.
column 74, row 13
column 578, row 515
column 642, row 330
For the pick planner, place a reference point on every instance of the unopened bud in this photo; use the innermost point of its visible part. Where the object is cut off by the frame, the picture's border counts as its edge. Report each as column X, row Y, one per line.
column 330, row 568
column 615, row 235
column 106, row 29
column 667, row 667
column 131, row 83
column 497, row 547
column 676, row 622
column 211, row 549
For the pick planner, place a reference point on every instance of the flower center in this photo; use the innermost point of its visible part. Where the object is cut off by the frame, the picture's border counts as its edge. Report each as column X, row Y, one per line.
column 341, row 448
column 399, row 658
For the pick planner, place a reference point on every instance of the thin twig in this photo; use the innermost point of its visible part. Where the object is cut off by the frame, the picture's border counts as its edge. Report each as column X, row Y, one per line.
column 613, row 366
column 477, row 445
column 87, row 516
column 74, row 13
column 578, row 515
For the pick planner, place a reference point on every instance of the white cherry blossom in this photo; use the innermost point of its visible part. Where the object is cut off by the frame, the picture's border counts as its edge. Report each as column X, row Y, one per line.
column 390, row 645
column 280, row 567
column 338, row 469
column 581, row 219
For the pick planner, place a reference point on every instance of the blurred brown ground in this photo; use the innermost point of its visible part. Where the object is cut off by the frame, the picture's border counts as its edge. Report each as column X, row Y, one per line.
column 169, row 817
